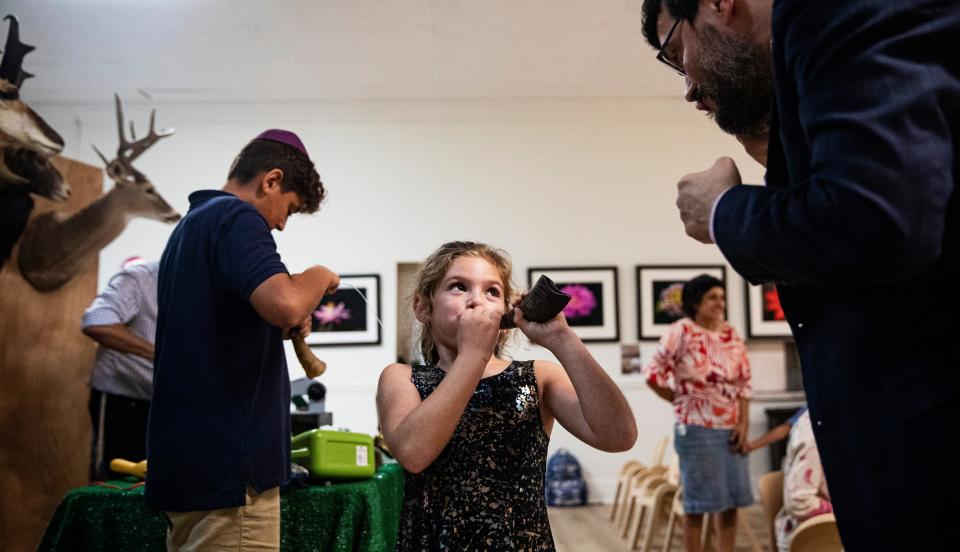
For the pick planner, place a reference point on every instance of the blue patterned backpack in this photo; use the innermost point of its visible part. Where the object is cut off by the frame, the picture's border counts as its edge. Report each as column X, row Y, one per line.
column 564, row 484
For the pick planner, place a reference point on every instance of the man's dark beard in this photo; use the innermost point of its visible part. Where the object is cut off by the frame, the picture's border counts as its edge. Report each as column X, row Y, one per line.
column 738, row 78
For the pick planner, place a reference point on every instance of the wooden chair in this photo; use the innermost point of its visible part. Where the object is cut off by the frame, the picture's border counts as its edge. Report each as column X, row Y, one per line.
column 673, row 518
column 649, row 504
column 627, row 472
column 743, row 525
column 676, row 517
column 770, row 486
column 631, row 471
column 817, row 534
column 658, row 452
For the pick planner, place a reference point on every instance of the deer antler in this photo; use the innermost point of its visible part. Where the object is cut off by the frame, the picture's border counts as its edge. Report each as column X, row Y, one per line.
column 122, row 167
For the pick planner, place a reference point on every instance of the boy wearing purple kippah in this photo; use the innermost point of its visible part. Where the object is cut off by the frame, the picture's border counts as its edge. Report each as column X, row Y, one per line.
column 218, row 442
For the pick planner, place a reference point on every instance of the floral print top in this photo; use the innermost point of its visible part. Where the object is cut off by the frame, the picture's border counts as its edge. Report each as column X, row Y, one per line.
column 485, row 490
column 805, row 491
column 707, row 371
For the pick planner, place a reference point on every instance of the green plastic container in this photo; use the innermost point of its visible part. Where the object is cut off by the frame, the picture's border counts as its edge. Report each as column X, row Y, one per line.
column 330, row 454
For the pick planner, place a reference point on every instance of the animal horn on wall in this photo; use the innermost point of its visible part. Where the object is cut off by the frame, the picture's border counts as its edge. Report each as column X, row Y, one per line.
column 11, row 67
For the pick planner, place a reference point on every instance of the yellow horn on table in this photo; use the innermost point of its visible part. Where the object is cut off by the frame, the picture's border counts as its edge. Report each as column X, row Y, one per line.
column 138, row 469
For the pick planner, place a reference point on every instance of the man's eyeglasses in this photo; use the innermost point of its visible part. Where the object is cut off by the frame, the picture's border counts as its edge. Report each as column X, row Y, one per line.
column 666, row 59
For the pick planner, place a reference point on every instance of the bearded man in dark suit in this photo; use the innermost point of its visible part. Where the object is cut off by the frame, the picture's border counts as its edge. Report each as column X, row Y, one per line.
column 857, row 225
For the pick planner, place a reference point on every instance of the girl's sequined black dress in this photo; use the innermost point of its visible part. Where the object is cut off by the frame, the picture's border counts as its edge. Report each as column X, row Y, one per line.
column 485, row 490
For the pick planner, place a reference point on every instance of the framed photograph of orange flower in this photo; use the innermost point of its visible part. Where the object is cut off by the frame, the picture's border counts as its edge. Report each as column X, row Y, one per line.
column 592, row 311
column 765, row 318
column 660, row 295
column 350, row 315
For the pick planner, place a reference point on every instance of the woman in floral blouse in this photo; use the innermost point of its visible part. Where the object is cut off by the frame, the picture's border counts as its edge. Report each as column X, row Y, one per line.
column 701, row 367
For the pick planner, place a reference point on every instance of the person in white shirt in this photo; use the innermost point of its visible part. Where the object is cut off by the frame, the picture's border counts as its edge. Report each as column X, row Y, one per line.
column 123, row 321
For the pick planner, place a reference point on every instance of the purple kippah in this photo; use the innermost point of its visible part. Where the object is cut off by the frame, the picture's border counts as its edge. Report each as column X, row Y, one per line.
column 284, row 137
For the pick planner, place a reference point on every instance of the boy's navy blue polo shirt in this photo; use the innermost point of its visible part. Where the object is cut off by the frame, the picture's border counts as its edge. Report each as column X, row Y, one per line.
column 220, row 414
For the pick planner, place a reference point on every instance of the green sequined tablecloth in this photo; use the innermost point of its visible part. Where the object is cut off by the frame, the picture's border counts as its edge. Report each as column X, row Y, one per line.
column 363, row 515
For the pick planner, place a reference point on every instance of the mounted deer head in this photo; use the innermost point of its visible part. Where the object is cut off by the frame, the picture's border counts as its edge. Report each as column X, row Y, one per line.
column 26, row 141
column 143, row 199
column 55, row 247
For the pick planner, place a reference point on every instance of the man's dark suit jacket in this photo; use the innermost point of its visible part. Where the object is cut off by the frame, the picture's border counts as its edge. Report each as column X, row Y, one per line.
column 858, row 226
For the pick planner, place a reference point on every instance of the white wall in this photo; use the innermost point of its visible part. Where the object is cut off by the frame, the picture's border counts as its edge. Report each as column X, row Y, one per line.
column 555, row 183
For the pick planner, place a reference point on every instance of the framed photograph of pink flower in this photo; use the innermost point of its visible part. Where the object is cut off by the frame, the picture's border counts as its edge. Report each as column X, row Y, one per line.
column 350, row 315
column 765, row 318
column 660, row 295
column 593, row 309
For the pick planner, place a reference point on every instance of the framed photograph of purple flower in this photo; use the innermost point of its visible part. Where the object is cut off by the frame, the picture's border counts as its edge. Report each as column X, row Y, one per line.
column 351, row 315
column 593, row 309
column 659, row 295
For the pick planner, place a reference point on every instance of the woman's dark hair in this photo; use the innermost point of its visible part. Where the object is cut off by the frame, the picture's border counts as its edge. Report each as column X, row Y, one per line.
column 299, row 173
column 695, row 289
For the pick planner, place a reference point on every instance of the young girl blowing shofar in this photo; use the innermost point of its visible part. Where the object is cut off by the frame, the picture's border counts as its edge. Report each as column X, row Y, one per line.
column 471, row 428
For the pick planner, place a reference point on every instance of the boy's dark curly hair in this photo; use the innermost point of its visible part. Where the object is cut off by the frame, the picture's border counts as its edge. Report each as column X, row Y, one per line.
column 299, row 173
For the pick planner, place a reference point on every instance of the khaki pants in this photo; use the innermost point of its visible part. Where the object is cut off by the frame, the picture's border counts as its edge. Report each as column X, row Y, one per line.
column 254, row 526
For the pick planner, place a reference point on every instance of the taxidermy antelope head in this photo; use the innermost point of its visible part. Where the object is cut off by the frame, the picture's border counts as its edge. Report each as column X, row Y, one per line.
column 26, row 141
column 55, row 247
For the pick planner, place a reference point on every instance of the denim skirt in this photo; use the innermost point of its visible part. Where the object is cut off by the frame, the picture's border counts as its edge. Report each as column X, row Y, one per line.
column 714, row 478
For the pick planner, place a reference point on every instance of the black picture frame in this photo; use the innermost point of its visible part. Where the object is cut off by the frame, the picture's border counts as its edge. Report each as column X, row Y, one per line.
column 659, row 295
column 765, row 318
column 349, row 317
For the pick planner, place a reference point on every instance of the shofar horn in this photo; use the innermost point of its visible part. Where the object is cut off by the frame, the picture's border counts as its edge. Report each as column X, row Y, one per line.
column 138, row 469
column 312, row 365
column 542, row 303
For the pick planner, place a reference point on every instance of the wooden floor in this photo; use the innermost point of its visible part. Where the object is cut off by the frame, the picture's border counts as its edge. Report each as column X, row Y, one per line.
column 588, row 528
